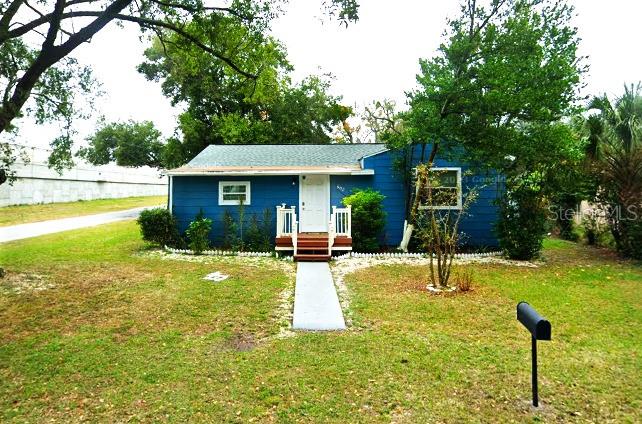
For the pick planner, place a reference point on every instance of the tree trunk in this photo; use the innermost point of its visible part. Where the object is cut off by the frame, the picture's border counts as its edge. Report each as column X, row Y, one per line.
column 11, row 108
column 409, row 228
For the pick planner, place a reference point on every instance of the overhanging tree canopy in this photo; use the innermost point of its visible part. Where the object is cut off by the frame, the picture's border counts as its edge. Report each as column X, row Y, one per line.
column 506, row 74
column 36, row 40
column 222, row 107
column 507, row 70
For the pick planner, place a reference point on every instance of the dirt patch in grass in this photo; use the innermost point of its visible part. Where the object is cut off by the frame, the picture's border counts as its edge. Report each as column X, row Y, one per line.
column 241, row 342
column 412, row 280
column 70, row 296
column 133, row 297
column 24, row 283
column 237, row 341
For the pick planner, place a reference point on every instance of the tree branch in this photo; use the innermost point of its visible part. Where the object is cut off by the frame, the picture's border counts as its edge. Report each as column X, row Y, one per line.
column 9, row 14
column 74, row 2
column 54, row 25
column 39, row 13
column 196, row 10
column 149, row 23
column 144, row 22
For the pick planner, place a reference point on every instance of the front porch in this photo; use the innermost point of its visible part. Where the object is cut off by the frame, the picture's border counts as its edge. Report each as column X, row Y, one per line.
column 313, row 246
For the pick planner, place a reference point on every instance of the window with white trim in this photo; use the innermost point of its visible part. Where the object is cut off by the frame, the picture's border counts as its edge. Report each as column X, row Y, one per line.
column 446, row 189
column 233, row 192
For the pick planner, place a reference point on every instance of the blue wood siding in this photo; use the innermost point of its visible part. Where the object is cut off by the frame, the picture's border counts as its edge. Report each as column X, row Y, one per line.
column 477, row 226
column 191, row 194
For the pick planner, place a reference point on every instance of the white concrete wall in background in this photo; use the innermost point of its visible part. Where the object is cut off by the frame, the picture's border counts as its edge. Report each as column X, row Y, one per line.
column 37, row 183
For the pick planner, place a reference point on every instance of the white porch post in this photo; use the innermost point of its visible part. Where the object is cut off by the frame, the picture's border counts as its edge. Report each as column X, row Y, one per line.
column 170, row 189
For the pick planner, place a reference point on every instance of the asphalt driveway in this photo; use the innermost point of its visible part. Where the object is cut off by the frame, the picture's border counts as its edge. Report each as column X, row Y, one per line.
column 35, row 229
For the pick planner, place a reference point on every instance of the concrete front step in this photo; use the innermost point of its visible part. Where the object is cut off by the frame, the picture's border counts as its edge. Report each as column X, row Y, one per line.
column 311, row 257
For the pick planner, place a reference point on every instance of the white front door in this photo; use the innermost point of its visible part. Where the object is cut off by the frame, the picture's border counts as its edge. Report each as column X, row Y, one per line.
column 314, row 203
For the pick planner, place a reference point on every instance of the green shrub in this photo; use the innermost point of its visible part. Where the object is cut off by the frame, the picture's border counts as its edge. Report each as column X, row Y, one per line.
column 593, row 227
column 158, row 226
column 267, row 232
column 258, row 233
column 241, row 226
column 568, row 230
column 230, row 232
column 198, row 233
column 522, row 224
column 253, row 234
column 368, row 219
column 629, row 243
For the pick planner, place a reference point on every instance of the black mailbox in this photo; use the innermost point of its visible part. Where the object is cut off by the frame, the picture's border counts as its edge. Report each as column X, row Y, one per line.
column 539, row 327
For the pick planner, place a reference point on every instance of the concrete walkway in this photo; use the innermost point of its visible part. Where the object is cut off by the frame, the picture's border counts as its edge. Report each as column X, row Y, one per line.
column 35, row 229
column 316, row 304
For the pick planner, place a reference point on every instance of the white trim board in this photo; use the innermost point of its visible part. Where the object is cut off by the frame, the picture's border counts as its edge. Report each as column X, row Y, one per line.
column 460, row 192
column 248, row 193
column 272, row 173
column 170, row 183
column 363, row 158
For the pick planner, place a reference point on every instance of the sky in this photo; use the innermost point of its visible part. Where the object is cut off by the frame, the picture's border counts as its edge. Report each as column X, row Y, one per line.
column 375, row 58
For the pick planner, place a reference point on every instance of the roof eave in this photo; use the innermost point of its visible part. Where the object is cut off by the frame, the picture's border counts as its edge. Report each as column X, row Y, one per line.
column 269, row 172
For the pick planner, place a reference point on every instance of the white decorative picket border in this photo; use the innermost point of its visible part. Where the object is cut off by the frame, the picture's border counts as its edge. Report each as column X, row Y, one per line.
column 413, row 255
column 219, row 252
column 339, row 257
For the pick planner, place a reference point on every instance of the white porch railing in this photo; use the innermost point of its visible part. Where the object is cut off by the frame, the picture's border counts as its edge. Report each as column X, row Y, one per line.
column 287, row 224
column 285, row 219
column 340, row 225
column 295, row 234
column 331, row 234
column 341, row 221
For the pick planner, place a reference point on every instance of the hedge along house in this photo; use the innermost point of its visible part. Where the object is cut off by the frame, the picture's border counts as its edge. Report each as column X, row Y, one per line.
column 303, row 186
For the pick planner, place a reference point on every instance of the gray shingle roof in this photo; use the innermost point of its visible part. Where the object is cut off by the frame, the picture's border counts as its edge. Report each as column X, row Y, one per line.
column 283, row 155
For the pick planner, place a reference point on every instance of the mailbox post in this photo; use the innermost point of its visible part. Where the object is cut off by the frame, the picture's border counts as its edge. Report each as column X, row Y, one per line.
column 540, row 329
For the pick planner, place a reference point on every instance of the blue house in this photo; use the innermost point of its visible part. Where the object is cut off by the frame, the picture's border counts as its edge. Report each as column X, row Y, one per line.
column 304, row 185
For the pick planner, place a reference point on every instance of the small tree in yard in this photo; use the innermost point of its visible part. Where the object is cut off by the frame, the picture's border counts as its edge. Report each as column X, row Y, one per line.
column 438, row 229
column 368, row 219
column 499, row 85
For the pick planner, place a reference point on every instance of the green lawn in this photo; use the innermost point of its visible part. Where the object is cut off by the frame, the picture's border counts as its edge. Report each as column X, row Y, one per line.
column 123, row 335
column 13, row 215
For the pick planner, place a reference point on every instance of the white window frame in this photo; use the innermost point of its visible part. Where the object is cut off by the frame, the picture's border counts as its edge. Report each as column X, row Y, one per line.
column 459, row 190
column 223, row 202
